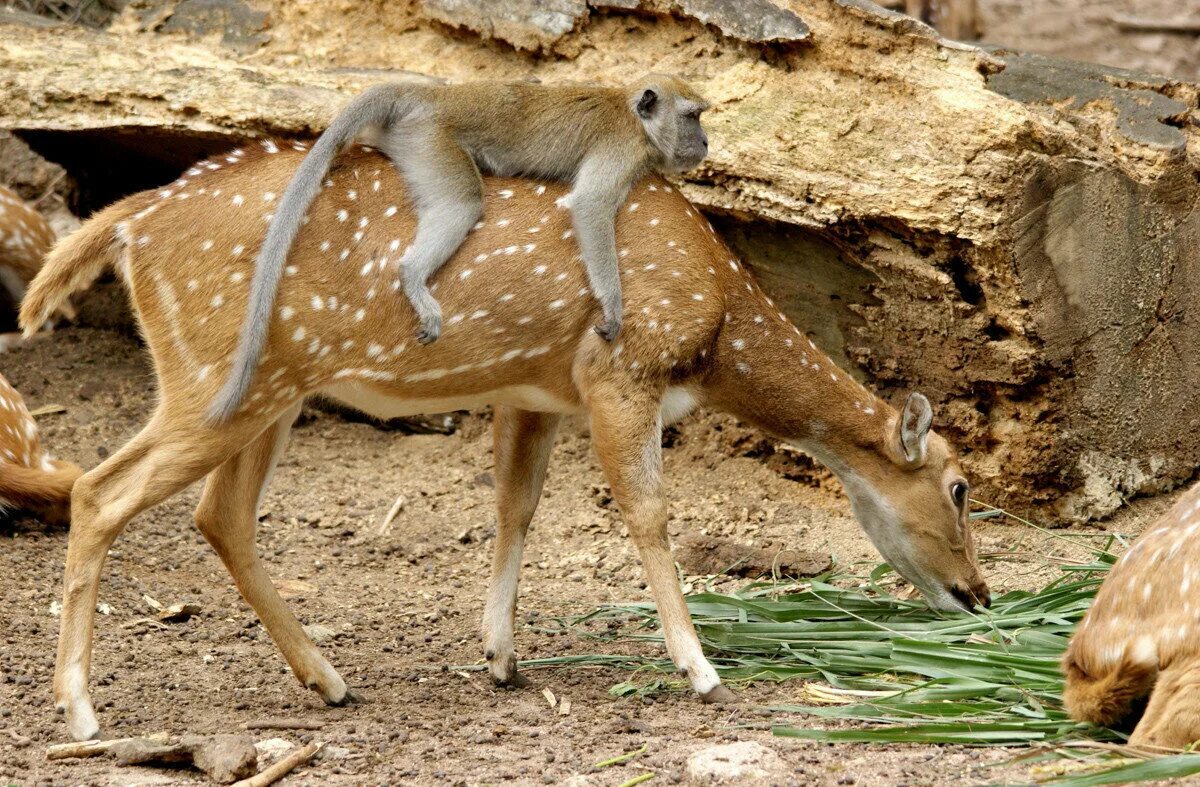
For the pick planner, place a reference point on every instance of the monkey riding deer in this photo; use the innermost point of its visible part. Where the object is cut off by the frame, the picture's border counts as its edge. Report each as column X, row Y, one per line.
column 438, row 137
column 1141, row 637
column 519, row 337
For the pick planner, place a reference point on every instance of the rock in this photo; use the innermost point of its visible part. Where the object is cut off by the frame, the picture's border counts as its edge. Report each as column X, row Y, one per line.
column 704, row 555
column 177, row 613
column 225, row 758
column 140, row 752
column 319, row 633
column 742, row 763
column 272, row 750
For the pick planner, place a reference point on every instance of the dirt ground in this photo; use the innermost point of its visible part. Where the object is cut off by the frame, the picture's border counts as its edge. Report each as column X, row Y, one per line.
column 401, row 610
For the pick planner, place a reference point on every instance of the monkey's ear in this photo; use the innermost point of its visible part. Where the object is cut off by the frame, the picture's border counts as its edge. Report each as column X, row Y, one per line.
column 645, row 104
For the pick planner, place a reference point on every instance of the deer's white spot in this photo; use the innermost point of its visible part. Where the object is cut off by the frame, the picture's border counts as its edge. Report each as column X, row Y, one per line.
column 558, row 304
column 238, row 199
column 343, row 214
column 286, row 312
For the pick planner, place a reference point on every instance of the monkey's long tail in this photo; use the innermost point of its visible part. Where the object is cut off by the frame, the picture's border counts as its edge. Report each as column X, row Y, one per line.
column 377, row 106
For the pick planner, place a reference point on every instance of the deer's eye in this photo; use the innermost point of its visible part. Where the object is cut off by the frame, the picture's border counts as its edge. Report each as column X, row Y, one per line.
column 958, row 493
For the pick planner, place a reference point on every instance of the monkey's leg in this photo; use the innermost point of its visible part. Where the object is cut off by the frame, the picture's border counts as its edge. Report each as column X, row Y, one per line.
column 600, row 189
column 522, row 444
column 448, row 192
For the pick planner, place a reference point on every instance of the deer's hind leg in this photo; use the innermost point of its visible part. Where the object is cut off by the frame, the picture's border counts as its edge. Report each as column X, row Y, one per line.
column 522, row 444
column 167, row 455
column 227, row 516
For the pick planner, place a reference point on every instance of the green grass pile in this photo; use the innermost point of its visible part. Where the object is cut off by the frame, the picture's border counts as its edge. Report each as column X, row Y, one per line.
column 900, row 672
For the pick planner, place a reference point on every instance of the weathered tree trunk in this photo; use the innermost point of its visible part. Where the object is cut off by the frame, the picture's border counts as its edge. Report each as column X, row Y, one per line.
column 1014, row 235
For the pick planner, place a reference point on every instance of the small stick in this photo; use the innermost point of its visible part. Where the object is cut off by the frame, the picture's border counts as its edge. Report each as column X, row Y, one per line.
column 283, row 724
column 1144, row 25
column 281, row 768
column 74, row 749
column 386, row 525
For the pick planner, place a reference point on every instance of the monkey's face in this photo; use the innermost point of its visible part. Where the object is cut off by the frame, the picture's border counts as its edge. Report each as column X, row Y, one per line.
column 670, row 112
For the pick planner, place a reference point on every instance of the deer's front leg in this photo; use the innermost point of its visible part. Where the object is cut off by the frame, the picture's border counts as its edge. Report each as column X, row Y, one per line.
column 627, row 432
column 523, row 441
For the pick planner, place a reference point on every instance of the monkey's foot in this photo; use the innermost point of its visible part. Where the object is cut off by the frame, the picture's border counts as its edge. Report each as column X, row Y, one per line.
column 608, row 329
column 430, row 330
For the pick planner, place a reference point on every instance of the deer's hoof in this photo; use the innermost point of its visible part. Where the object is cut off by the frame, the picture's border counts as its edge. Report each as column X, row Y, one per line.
column 514, row 680
column 350, row 697
column 719, row 695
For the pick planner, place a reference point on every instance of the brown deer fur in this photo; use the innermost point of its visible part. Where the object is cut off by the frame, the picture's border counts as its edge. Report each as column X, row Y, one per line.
column 25, row 237
column 29, row 478
column 1141, row 637
column 697, row 330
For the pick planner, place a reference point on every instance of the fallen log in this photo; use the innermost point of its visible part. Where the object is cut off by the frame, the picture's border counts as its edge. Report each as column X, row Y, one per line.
column 1014, row 235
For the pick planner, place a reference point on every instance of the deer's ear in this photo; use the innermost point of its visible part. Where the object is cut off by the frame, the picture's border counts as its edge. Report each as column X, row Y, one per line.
column 912, row 429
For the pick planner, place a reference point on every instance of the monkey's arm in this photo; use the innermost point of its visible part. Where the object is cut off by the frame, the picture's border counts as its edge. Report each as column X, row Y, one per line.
column 601, row 187
column 378, row 106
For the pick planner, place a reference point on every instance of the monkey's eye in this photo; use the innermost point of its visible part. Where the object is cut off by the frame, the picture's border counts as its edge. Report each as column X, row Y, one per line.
column 958, row 493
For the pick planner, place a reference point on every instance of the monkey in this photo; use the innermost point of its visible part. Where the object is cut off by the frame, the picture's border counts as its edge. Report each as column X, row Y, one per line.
column 440, row 137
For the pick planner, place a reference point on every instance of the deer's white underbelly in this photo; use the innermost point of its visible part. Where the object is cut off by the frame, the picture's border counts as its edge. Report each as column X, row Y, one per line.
column 377, row 404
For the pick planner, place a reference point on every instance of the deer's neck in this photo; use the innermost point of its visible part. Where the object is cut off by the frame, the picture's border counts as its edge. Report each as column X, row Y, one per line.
column 767, row 372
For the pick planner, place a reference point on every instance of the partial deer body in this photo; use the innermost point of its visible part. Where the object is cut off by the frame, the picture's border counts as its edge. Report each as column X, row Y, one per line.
column 1141, row 638
column 30, row 479
column 698, row 330
column 25, row 237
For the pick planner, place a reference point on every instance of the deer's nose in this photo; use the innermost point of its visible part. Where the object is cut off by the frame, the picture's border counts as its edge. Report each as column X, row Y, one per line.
column 973, row 596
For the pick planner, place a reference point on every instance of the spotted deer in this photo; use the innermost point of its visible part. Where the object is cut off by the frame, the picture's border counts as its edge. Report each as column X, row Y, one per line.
column 1141, row 638
column 25, row 237
column 30, row 479
column 698, row 330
